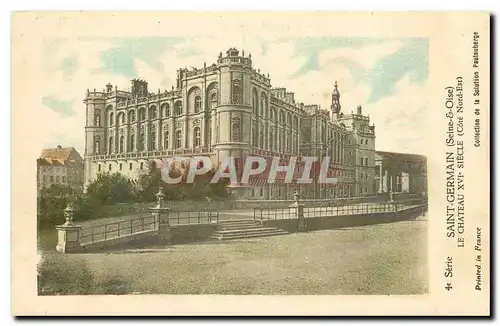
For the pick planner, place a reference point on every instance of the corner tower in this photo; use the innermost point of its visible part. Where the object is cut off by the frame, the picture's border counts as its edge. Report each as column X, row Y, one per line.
column 232, row 121
column 94, row 130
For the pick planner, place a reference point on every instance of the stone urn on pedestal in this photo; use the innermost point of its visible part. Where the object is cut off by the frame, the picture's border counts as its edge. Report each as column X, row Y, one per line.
column 299, row 212
column 160, row 213
column 68, row 234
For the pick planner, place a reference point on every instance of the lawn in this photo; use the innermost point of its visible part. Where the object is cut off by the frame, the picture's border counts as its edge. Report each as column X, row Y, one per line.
column 376, row 259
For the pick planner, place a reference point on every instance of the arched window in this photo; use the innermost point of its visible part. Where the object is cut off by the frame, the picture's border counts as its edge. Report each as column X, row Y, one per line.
column 261, row 140
column 132, row 143
column 152, row 140
column 97, row 144
column 142, row 114
column 152, row 112
column 271, row 140
column 213, row 100
column 197, row 104
column 236, row 127
column 131, row 116
column 255, row 135
column 263, row 105
column 110, row 146
column 178, row 139
column 123, row 118
column 282, row 117
column 111, row 119
column 255, row 101
column 197, row 137
column 289, row 119
column 97, row 117
column 237, row 94
column 166, row 135
column 165, row 110
column 295, row 122
column 121, row 144
column 178, row 108
column 119, row 119
column 141, row 142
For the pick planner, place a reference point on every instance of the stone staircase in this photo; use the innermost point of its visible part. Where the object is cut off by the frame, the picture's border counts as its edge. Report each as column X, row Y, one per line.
column 243, row 229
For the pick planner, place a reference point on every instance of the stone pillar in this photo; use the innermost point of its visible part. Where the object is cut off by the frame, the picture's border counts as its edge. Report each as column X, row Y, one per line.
column 380, row 185
column 68, row 234
column 299, row 211
column 137, row 135
column 162, row 217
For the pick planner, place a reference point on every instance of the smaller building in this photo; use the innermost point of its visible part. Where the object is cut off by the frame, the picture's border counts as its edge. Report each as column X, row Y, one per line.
column 400, row 172
column 60, row 166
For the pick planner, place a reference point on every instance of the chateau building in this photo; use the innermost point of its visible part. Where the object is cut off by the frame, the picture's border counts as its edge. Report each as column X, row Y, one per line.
column 228, row 109
column 60, row 166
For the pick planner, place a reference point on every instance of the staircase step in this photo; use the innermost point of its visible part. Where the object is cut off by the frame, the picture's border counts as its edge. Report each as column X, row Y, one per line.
column 236, row 237
column 256, row 229
column 237, row 221
column 242, row 229
column 242, row 226
column 244, row 234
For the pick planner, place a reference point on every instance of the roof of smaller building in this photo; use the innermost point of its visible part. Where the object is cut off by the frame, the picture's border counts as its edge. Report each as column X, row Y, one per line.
column 401, row 156
column 56, row 156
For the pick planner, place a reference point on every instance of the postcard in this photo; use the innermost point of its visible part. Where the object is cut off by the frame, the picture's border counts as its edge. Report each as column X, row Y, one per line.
column 250, row 163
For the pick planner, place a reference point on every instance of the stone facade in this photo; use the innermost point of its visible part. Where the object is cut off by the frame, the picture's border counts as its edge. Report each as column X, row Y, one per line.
column 227, row 109
column 400, row 172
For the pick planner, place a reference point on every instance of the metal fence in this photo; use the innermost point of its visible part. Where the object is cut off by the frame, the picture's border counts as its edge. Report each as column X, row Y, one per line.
column 199, row 217
column 349, row 210
column 117, row 229
column 265, row 214
column 147, row 222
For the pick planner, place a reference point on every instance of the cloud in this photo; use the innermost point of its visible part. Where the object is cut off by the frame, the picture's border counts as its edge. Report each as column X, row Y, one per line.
column 64, row 108
column 366, row 56
column 399, row 119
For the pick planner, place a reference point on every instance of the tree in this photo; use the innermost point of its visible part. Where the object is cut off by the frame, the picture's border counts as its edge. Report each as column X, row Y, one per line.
column 110, row 189
column 52, row 202
column 200, row 189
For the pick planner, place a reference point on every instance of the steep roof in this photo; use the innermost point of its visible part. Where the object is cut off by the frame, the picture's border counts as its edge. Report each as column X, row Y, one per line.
column 58, row 155
column 402, row 156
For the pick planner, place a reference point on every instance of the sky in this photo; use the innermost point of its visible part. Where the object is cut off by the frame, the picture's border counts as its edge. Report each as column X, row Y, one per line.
column 387, row 77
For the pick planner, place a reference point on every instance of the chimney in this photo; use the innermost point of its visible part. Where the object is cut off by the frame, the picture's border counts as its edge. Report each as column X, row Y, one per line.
column 359, row 110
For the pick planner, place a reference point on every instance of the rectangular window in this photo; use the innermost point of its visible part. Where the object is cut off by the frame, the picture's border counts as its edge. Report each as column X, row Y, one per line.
column 109, row 167
column 63, row 179
column 142, row 165
column 57, row 179
column 44, row 178
column 120, row 166
column 51, row 178
column 99, row 168
column 130, row 166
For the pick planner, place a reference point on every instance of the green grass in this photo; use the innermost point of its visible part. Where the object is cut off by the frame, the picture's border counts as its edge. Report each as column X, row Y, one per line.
column 377, row 259
column 47, row 239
